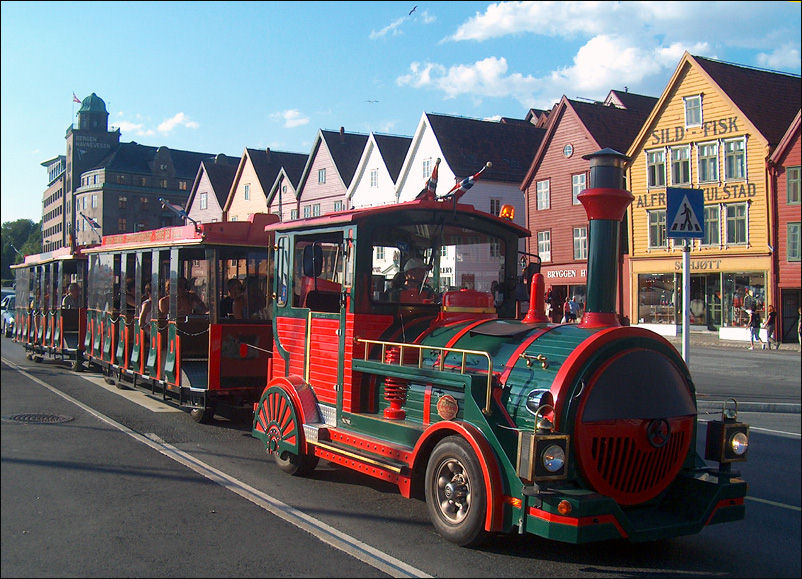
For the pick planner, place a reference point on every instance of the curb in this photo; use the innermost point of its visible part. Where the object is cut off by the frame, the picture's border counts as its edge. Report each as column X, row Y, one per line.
column 777, row 407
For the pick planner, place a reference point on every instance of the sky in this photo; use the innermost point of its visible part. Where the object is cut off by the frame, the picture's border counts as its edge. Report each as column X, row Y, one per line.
column 218, row 77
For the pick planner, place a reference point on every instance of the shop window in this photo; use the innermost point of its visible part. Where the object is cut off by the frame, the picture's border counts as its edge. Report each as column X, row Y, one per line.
column 657, row 228
column 792, row 185
column 544, row 245
column 737, row 224
column 712, row 226
column 543, row 195
column 742, row 292
column 680, row 165
column 656, row 299
column 656, row 168
column 708, row 162
column 793, row 241
column 580, row 242
column 735, row 159
column 693, row 111
column 577, row 186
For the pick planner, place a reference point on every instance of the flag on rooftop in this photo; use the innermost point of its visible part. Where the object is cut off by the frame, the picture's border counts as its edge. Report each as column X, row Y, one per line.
column 429, row 191
column 462, row 187
column 75, row 99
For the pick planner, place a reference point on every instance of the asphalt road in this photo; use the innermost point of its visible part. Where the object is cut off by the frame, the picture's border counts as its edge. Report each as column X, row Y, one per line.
column 130, row 486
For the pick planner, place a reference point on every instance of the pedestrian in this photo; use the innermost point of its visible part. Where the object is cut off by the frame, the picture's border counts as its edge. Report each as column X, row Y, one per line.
column 771, row 328
column 754, row 329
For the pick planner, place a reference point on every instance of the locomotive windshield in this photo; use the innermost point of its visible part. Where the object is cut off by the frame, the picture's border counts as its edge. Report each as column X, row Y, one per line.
column 430, row 259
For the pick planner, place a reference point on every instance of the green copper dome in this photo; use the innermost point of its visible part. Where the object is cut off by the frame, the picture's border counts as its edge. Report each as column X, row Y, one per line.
column 93, row 104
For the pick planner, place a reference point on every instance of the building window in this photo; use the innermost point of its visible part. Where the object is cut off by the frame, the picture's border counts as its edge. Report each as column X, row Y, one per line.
column 711, row 226
column 580, row 242
column 734, row 159
column 577, row 186
column 736, row 223
column 656, row 168
column 544, row 245
column 693, row 111
column 293, row 214
column 321, row 176
column 793, row 241
column 163, row 167
column 121, row 179
column 427, row 168
column 247, row 192
column 315, row 209
column 234, row 218
column 122, row 224
column 374, row 178
column 143, row 181
column 182, row 185
column 163, row 183
column 123, row 202
column 543, row 195
column 792, row 185
column 379, row 252
column 657, row 228
column 495, row 207
column 307, row 211
column 204, row 200
column 680, row 165
column 94, row 201
column 338, row 206
column 708, row 162
column 495, row 248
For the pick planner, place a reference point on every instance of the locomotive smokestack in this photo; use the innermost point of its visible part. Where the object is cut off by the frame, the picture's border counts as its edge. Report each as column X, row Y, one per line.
column 605, row 203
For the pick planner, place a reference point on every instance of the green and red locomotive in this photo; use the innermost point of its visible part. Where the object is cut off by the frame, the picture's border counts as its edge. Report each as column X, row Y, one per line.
column 574, row 432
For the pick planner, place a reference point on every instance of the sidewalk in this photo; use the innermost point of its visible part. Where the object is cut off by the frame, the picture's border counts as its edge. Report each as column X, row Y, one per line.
column 711, row 340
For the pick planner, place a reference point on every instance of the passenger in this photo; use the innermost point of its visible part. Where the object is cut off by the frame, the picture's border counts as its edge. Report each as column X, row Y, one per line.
column 256, row 299
column 72, row 300
column 393, row 293
column 144, row 311
column 231, row 306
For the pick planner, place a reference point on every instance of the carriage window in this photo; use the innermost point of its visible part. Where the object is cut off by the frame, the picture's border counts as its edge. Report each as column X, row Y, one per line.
column 417, row 263
column 193, row 283
column 244, row 284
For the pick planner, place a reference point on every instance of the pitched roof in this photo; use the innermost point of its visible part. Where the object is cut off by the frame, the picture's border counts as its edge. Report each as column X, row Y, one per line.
column 135, row 158
column 267, row 165
column 393, row 150
column 346, row 150
column 467, row 144
column 220, row 173
column 768, row 99
column 611, row 126
column 631, row 101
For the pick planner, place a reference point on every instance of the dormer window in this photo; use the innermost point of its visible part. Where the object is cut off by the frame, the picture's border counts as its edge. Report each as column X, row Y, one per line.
column 693, row 111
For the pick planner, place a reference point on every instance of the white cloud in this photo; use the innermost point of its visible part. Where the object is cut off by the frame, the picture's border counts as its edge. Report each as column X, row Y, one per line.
column 137, row 129
column 178, row 120
column 292, row 118
column 394, row 28
column 783, row 57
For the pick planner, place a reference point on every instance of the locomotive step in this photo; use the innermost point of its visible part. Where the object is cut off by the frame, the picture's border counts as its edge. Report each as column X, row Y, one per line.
column 367, row 449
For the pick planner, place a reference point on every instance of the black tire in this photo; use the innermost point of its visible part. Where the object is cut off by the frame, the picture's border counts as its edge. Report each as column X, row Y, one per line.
column 295, row 465
column 455, row 494
column 202, row 415
column 109, row 378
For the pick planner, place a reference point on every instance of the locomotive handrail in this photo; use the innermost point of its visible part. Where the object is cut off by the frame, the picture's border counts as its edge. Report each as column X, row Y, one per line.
column 441, row 363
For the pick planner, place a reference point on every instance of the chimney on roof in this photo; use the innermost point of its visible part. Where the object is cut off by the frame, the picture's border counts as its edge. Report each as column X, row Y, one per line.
column 268, row 154
column 342, row 134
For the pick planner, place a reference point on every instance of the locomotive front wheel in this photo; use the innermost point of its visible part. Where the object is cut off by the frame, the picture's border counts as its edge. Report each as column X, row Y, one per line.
column 277, row 418
column 455, row 495
column 202, row 415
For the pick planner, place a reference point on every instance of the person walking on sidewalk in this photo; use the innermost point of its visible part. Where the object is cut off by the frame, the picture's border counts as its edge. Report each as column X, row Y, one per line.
column 754, row 329
column 771, row 328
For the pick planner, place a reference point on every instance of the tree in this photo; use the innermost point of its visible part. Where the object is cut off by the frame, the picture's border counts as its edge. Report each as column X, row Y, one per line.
column 25, row 236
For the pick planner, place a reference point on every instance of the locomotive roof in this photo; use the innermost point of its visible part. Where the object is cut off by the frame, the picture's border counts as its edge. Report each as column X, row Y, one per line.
column 61, row 254
column 251, row 232
column 354, row 216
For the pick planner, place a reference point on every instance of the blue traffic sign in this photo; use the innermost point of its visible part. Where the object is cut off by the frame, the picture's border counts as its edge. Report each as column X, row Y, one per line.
column 685, row 213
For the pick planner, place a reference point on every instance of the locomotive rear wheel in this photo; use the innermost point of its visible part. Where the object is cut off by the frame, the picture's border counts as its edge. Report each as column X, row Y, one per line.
column 279, row 420
column 202, row 415
column 455, row 496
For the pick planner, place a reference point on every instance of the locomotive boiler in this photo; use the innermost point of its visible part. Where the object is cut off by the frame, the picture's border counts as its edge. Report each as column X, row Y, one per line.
column 574, row 432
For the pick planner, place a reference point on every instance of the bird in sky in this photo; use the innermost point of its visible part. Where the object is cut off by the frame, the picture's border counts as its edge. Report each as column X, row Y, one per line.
column 371, row 101
column 413, row 10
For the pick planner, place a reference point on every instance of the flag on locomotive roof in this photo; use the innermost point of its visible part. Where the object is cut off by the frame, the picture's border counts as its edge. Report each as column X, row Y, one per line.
column 429, row 192
column 462, row 187
column 75, row 99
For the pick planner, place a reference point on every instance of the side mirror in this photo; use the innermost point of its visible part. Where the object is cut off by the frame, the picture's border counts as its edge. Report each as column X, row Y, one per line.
column 313, row 260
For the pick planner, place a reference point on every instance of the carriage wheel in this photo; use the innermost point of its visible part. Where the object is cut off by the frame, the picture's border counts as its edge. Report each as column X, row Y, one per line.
column 202, row 415
column 455, row 495
column 277, row 418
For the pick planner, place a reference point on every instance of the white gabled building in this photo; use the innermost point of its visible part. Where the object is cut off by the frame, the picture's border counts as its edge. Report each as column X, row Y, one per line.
column 374, row 181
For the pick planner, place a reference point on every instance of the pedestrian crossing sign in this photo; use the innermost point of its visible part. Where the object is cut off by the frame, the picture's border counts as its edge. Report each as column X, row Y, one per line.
column 684, row 213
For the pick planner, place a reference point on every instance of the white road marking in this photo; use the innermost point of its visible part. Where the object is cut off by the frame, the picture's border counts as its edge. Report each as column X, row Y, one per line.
column 326, row 533
column 134, row 395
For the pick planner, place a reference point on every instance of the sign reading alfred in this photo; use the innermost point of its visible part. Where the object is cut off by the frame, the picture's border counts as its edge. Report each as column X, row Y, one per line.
column 685, row 213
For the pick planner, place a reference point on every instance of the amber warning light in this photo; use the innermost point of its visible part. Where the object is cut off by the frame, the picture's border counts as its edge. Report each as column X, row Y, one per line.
column 507, row 212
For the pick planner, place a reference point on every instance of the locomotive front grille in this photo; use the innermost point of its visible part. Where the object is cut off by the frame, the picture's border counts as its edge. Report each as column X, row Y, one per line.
column 620, row 461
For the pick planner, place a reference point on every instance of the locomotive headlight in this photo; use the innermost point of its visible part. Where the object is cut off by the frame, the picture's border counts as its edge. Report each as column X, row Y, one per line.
column 739, row 443
column 553, row 458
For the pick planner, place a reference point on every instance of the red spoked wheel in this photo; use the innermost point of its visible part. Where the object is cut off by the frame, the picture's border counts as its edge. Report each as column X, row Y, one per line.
column 276, row 423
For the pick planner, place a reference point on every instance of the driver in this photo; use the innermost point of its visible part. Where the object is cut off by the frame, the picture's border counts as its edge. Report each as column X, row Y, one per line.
column 416, row 273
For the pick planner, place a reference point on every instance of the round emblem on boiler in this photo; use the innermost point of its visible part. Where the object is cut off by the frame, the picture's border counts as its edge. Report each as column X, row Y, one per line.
column 658, row 432
column 447, row 407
